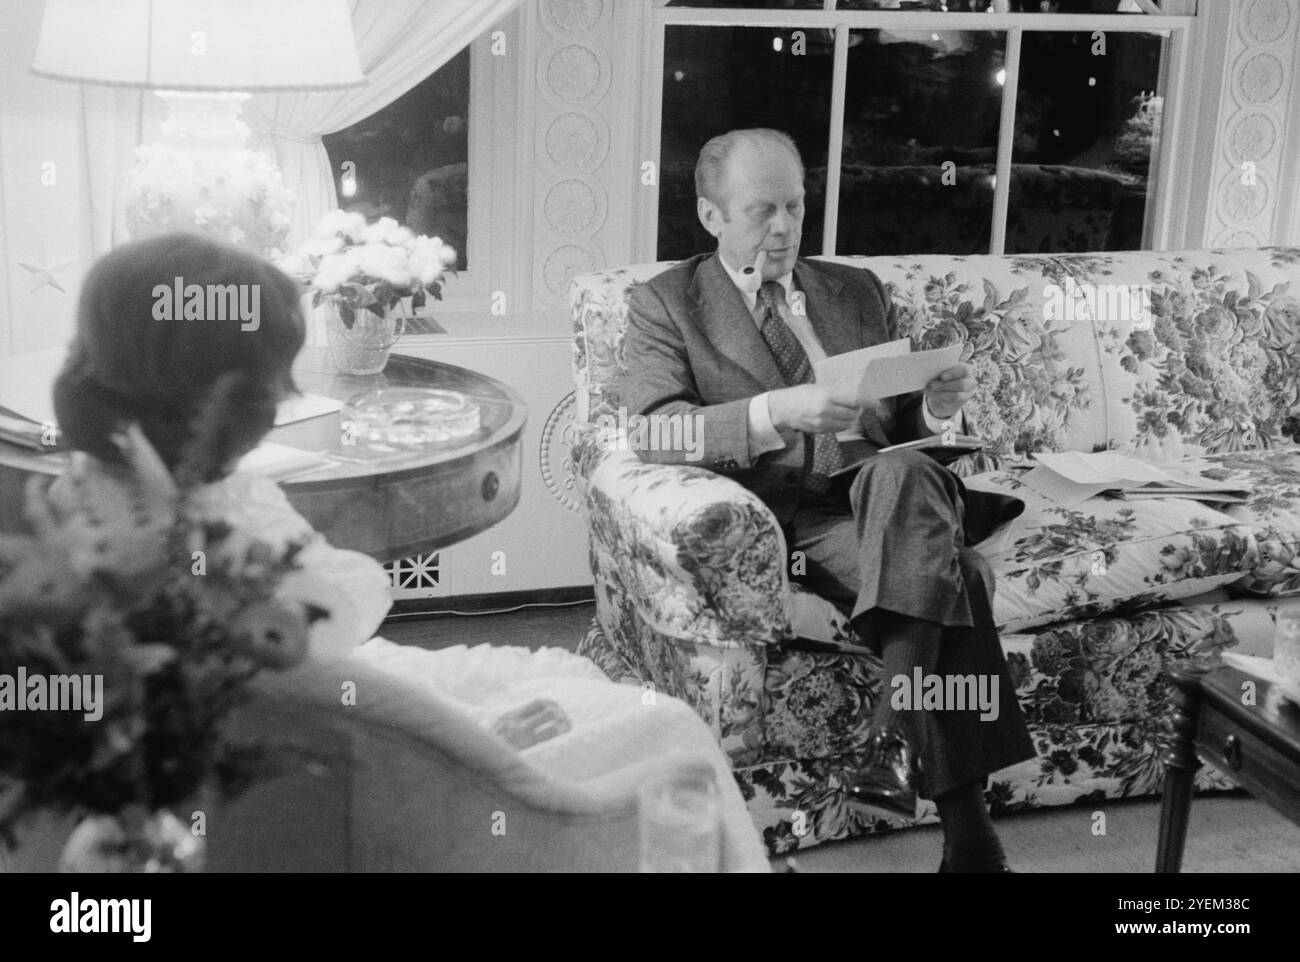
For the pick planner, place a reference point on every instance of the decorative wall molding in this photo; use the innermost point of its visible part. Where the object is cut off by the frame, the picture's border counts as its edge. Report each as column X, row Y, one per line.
column 1248, row 205
column 577, row 140
column 558, row 470
column 581, row 136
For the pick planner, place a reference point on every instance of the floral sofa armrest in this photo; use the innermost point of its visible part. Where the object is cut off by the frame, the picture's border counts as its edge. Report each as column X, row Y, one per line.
column 699, row 557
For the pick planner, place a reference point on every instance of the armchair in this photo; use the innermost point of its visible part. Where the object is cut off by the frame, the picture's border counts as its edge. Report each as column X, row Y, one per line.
column 693, row 599
column 408, row 780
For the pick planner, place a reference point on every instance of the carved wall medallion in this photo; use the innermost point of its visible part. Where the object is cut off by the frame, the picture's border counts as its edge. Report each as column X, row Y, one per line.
column 1243, row 238
column 571, row 16
column 575, row 74
column 564, row 262
column 577, row 142
column 1245, row 202
column 1253, row 137
column 1260, row 78
column 575, row 207
column 1266, row 21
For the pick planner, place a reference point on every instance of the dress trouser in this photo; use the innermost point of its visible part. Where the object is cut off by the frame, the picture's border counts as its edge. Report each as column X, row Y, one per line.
column 897, row 536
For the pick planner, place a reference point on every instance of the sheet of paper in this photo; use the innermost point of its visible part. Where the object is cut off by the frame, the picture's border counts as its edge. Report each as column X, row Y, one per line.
column 1122, row 470
column 1071, row 477
column 1114, row 468
column 305, row 407
column 842, row 373
column 908, row 372
column 1059, row 489
column 885, row 370
column 279, row 461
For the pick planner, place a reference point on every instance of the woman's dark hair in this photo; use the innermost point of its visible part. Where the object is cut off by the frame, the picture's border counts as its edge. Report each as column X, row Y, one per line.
column 203, row 389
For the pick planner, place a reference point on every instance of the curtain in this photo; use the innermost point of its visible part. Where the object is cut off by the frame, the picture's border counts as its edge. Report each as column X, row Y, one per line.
column 400, row 43
column 113, row 122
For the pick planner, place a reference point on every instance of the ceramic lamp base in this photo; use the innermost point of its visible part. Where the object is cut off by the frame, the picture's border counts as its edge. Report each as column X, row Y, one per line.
column 200, row 177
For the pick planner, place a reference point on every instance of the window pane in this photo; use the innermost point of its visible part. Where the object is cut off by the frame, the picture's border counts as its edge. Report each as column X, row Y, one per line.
column 750, row 4
column 915, row 102
column 412, row 158
column 911, row 6
column 987, row 6
column 720, row 78
column 1086, row 114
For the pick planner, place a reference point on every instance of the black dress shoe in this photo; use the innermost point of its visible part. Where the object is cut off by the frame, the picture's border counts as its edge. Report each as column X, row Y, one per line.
column 886, row 784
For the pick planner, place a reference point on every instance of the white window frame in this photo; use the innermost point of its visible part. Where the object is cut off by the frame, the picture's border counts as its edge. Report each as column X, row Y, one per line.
column 492, row 161
column 469, row 290
column 1164, row 218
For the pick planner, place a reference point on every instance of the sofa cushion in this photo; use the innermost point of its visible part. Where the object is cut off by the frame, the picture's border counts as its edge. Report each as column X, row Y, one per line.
column 1273, row 512
column 1058, row 564
column 1214, row 368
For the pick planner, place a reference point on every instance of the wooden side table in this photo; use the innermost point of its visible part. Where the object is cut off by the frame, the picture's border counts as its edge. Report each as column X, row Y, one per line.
column 1256, row 745
column 388, row 510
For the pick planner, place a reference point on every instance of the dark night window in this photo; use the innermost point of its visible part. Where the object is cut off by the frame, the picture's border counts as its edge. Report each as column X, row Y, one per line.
column 923, row 126
column 410, row 160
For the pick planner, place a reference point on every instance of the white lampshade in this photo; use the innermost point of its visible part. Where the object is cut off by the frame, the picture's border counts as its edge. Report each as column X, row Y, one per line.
column 233, row 45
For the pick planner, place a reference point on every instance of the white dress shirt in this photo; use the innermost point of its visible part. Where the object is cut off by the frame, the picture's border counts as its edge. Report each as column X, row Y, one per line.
column 763, row 435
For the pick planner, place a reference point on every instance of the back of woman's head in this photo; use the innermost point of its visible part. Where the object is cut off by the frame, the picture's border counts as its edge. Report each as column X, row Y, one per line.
column 191, row 338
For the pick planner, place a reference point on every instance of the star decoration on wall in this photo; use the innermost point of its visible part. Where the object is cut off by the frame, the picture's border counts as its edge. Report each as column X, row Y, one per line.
column 45, row 276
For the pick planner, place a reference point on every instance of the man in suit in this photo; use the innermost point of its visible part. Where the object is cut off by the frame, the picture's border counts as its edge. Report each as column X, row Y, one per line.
column 729, row 337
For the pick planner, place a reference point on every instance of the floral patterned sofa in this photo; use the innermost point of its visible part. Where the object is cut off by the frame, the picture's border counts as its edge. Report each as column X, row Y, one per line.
column 694, row 598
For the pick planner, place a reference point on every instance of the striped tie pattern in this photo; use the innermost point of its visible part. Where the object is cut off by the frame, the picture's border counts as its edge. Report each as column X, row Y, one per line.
column 823, row 452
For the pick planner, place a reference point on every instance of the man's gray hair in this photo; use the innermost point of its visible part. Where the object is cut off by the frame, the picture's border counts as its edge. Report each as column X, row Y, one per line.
column 712, row 163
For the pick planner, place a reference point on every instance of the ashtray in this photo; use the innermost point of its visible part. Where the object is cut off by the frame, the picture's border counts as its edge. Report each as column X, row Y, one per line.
column 410, row 417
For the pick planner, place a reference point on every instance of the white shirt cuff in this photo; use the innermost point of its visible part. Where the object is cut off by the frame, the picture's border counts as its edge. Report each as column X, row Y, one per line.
column 933, row 423
column 763, row 435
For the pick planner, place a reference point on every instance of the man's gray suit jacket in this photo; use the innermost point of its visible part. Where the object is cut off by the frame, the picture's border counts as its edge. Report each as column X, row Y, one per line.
column 692, row 348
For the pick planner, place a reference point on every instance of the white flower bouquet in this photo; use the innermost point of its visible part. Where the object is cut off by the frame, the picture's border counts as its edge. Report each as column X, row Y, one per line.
column 370, row 267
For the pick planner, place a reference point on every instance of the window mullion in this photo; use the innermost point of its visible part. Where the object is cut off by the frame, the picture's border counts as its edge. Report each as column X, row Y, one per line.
column 1160, row 214
column 651, row 130
column 835, row 150
column 1006, row 144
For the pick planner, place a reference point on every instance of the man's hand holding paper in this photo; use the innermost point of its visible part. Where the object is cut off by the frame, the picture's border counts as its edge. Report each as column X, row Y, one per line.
column 885, row 370
column 858, row 378
column 949, row 391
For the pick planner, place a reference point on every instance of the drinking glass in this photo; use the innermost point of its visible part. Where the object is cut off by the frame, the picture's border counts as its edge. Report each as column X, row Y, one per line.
column 1286, row 644
column 680, row 823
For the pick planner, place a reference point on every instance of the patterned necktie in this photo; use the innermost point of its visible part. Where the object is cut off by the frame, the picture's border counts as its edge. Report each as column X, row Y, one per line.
column 822, row 451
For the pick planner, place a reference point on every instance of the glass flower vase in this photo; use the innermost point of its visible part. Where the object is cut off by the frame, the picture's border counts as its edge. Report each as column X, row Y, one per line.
column 364, row 347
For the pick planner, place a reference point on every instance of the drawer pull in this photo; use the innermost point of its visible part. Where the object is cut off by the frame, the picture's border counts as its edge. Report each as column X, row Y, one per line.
column 1232, row 751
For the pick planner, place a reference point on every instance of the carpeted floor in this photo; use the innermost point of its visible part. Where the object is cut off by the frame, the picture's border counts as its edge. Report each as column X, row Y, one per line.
column 1228, row 833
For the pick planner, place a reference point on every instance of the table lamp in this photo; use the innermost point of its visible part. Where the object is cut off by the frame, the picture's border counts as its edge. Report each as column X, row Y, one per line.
column 204, row 58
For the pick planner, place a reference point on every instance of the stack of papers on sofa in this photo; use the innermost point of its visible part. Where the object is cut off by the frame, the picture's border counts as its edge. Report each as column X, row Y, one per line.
column 1072, row 477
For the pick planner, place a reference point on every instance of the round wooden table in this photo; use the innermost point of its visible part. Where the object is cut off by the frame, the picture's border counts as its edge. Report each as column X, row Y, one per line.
column 388, row 509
